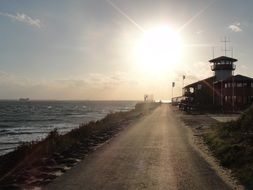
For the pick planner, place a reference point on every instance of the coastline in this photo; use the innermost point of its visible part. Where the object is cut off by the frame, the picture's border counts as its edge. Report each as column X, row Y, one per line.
column 37, row 163
column 33, row 120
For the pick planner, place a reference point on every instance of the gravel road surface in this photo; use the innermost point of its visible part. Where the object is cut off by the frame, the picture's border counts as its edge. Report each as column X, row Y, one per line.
column 153, row 153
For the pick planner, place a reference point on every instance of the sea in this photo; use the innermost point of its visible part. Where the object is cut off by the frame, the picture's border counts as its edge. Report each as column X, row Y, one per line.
column 26, row 121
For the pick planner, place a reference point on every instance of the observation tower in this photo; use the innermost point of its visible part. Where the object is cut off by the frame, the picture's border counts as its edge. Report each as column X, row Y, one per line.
column 223, row 67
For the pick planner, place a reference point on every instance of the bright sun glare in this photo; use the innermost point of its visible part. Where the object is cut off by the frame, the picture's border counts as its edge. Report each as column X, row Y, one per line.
column 159, row 49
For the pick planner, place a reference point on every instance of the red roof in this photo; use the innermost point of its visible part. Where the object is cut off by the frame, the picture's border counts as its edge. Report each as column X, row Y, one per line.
column 239, row 78
column 207, row 80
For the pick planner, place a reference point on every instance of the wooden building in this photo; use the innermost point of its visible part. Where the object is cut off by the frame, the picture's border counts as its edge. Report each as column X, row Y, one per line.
column 223, row 91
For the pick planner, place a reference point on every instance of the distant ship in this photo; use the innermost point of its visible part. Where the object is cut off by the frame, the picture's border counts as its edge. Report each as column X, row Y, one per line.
column 24, row 99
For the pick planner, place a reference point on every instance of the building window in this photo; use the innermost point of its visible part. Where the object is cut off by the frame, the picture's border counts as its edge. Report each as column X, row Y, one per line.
column 244, row 84
column 239, row 99
column 228, row 85
column 233, row 99
column 252, row 85
column 244, row 99
column 199, row 86
column 239, row 84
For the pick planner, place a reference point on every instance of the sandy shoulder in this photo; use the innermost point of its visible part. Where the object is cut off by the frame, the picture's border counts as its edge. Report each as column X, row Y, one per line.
column 198, row 125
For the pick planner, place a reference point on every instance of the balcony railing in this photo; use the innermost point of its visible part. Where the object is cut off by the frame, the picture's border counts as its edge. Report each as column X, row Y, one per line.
column 223, row 67
column 188, row 94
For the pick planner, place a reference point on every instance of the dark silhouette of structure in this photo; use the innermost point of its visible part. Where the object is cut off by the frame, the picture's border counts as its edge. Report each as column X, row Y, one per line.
column 148, row 98
column 223, row 91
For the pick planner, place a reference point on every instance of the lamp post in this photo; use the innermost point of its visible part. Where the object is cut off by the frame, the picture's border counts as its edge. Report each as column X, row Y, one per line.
column 183, row 85
column 173, row 85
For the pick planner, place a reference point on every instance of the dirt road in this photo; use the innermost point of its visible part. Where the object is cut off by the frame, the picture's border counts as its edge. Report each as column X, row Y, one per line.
column 154, row 153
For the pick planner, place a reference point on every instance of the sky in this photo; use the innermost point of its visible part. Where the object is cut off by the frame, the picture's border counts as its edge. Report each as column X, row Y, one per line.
column 88, row 49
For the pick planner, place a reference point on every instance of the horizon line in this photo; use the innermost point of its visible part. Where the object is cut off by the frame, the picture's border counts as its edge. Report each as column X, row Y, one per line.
column 17, row 99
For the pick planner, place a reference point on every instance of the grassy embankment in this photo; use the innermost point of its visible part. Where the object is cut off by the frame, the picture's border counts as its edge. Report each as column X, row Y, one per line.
column 232, row 144
column 17, row 166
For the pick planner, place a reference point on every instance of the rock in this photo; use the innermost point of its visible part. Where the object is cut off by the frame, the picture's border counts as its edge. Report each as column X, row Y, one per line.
column 48, row 162
column 45, row 182
column 20, row 178
column 48, row 168
column 10, row 187
column 67, row 154
column 70, row 161
column 45, row 176
column 56, row 154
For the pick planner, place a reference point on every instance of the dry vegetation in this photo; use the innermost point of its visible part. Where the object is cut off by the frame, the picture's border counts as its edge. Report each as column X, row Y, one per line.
column 37, row 163
column 232, row 143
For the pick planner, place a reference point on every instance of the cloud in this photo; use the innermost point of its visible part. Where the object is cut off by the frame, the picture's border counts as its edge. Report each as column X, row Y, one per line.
column 91, row 80
column 11, row 79
column 112, row 81
column 3, row 74
column 21, row 17
column 235, row 27
column 199, row 32
column 91, row 86
column 196, row 71
column 72, row 83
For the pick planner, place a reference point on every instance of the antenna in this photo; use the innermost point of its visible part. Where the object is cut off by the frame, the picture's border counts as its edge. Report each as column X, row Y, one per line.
column 225, row 41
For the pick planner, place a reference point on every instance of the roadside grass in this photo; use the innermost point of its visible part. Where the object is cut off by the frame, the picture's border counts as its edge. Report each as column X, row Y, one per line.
column 232, row 144
column 28, row 154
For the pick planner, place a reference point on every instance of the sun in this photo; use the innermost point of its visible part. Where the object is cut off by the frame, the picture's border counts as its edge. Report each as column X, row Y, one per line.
column 159, row 49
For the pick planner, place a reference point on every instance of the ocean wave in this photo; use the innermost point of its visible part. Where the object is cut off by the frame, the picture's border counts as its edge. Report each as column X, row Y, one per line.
column 7, row 148
column 22, row 133
column 3, row 131
column 9, row 143
column 27, row 122
column 5, row 126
